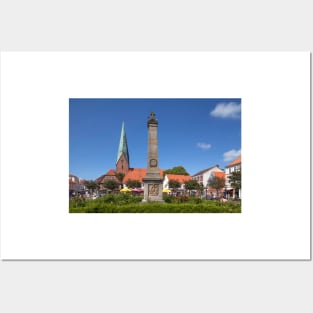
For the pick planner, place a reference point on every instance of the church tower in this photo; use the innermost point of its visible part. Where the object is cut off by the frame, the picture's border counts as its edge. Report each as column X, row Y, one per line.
column 122, row 161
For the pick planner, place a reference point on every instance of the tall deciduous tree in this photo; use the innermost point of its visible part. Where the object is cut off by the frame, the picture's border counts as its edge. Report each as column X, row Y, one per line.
column 217, row 183
column 91, row 185
column 235, row 180
column 111, row 184
column 192, row 185
column 174, row 184
column 178, row 170
column 201, row 188
column 133, row 183
column 120, row 176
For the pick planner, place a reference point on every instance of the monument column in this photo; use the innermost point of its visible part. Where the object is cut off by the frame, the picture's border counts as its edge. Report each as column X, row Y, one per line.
column 153, row 182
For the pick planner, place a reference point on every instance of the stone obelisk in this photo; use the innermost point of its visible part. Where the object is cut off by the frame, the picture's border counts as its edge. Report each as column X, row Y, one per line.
column 153, row 182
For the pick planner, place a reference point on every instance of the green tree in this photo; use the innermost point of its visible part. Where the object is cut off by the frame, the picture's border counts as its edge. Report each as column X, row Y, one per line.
column 235, row 180
column 192, row 185
column 120, row 176
column 91, row 185
column 174, row 184
column 133, row 183
column 201, row 188
column 111, row 184
column 178, row 170
column 217, row 183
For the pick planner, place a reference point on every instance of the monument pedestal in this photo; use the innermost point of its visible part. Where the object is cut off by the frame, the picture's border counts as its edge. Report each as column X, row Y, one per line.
column 153, row 183
column 153, row 189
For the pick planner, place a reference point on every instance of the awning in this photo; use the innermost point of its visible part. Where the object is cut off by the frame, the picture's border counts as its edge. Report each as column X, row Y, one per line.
column 166, row 190
column 137, row 190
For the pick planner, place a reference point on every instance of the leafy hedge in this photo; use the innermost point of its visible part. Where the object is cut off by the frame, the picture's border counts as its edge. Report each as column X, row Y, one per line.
column 126, row 203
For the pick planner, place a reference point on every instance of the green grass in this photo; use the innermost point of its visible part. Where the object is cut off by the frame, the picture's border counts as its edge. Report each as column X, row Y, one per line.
column 125, row 203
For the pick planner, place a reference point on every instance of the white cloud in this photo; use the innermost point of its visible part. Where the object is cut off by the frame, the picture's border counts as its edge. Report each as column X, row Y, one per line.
column 231, row 155
column 203, row 146
column 227, row 110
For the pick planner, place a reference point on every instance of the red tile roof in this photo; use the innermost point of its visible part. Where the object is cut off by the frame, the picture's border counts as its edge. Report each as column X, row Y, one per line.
column 100, row 179
column 235, row 162
column 137, row 174
column 180, row 178
column 132, row 174
column 219, row 174
column 111, row 173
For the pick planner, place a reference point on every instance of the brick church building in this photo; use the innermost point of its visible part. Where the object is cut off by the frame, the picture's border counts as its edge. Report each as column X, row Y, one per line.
column 123, row 172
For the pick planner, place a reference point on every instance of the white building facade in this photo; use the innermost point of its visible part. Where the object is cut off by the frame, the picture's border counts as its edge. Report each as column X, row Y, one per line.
column 204, row 175
column 234, row 166
column 182, row 179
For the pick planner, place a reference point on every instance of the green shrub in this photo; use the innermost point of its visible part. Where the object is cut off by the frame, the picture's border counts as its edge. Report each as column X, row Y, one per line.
column 168, row 199
column 120, row 199
column 157, row 208
column 77, row 202
column 107, row 199
column 127, row 203
column 195, row 200
column 182, row 199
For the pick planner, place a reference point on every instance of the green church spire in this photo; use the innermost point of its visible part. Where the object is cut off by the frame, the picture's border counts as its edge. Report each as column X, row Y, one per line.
column 123, row 148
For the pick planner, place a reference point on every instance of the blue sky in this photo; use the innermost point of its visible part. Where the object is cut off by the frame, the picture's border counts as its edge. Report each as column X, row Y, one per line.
column 194, row 133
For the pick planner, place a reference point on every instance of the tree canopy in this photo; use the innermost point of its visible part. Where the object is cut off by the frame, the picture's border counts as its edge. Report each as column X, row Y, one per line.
column 178, row 170
column 91, row 185
column 111, row 184
column 120, row 176
column 133, row 183
column 235, row 180
column 216, row 183
column 173, row 184
column 192, row 185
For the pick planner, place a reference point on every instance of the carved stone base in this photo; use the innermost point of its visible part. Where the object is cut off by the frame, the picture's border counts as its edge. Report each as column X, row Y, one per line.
column 153, row 190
